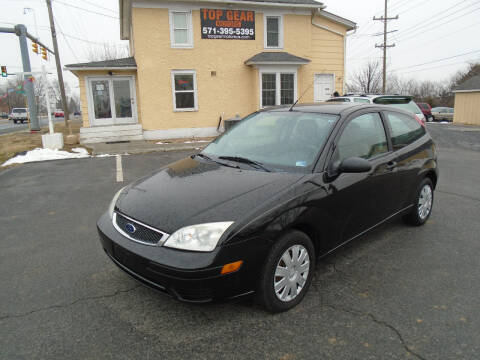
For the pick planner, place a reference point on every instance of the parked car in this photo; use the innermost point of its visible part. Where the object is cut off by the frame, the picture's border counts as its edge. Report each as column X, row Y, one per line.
column 442, row 114
column 77, row 113
column 59, row 113
column 4, row 115
column 19, row 115
column 400, row 101
column 254, row 210
column 426, row 110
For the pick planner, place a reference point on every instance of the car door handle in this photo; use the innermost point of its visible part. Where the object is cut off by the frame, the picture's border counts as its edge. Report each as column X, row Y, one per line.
column 391, row 165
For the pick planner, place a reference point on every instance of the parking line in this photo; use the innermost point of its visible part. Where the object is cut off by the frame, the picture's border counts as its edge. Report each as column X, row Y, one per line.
column 119, row 168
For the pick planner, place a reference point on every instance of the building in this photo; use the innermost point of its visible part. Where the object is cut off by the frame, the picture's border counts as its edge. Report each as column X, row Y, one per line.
column 467, row 101
column 195, row 63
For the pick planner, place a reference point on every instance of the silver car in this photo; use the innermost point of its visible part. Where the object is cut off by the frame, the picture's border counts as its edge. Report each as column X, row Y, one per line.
column 398, row 101
column 442, row 114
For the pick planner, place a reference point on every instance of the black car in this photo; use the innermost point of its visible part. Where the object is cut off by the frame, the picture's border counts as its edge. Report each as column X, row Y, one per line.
column 254, row 210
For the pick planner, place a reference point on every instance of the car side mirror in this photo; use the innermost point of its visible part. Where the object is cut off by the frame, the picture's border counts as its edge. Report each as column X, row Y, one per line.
column 354, row 165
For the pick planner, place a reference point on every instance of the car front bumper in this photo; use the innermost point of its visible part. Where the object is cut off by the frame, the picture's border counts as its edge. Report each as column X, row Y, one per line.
column 187, row 276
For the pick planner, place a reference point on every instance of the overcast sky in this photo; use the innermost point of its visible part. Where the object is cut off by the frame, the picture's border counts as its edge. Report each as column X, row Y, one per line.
column 428, row 31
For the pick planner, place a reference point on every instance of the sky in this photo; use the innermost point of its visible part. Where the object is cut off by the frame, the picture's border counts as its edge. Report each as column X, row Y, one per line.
column 433, row 38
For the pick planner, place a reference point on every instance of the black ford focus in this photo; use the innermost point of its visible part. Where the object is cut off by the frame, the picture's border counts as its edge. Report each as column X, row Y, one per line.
column 254, row 210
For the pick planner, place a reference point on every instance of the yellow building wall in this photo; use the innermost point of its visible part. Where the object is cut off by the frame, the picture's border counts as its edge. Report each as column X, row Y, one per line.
column 467, row 108
column 83, row 92
column 235, row 88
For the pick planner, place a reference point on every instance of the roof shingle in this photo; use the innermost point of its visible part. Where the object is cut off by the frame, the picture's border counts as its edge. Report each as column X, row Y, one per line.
column 471, row 84
column 276, row 57
column 115, row 63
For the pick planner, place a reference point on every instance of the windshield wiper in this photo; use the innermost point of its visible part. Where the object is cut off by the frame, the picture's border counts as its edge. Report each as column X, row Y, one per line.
column 245, row 161
column 203, row 156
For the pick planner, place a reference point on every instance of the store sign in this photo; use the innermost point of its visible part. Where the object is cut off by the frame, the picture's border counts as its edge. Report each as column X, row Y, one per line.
column 227, row 24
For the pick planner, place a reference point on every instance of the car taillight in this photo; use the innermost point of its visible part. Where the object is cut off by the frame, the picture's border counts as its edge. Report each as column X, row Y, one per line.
column 419, row 120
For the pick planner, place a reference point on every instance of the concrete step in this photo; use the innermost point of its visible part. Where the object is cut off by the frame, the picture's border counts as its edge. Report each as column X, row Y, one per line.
column 104, row 139
column 96, row 129
column 99, row 134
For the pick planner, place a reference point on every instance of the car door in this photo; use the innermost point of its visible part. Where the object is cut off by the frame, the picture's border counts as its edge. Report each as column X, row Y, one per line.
column 404, row 131
column 359, row 201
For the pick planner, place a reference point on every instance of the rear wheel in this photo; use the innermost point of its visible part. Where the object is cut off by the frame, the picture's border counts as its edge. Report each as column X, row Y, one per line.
column 287, row 272
column 423, row 204
column 14, row 121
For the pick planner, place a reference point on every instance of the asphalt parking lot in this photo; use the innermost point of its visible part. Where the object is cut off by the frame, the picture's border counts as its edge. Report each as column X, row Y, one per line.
column 397, row 293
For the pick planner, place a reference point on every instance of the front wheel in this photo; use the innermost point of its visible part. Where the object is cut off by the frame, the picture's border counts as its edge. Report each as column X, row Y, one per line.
column 423, row 204
column 287, row 272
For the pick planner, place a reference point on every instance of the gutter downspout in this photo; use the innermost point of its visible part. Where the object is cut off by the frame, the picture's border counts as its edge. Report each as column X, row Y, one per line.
column 344, row 42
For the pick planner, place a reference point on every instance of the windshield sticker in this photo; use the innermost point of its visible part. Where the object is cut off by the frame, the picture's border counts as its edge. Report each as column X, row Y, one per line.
column 301, row 163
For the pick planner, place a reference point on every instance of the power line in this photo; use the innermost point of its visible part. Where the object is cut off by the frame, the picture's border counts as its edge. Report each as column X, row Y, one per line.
column 87, row 10
column 100, row 7
column 413, row 35
column 438, row 60
column 441, row 66
column 64, row 38
column 434, row 19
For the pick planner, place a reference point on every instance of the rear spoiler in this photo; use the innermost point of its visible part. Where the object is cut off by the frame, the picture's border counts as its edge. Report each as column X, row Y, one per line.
column 392, row 99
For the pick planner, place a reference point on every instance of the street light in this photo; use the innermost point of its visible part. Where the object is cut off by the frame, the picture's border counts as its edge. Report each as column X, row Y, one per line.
column 29, row 10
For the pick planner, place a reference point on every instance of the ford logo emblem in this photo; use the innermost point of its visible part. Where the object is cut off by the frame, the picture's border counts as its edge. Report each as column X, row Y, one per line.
column 130, row 228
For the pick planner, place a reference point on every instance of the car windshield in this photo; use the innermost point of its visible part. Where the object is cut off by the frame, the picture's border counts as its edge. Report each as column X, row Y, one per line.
column 279, row 140
column 19, row 111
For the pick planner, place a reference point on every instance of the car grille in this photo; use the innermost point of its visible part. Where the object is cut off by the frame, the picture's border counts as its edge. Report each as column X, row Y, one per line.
column 137, row 231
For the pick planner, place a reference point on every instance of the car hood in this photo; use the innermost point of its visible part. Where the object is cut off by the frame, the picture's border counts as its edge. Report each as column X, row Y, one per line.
column 191, row 192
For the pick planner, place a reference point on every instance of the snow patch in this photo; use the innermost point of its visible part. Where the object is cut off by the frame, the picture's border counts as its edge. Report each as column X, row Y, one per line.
column 39, row 154
column 193, row 142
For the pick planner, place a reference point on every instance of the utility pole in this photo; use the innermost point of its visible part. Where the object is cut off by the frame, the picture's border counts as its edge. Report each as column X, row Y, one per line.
column 385, row 19
column 59, row 67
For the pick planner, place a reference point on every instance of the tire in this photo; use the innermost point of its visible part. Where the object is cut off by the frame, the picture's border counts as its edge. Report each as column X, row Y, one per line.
column 14, row 121
column 422, row 207
column 293, row 244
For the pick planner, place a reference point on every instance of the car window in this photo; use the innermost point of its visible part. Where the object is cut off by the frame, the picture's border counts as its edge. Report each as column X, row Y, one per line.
column 19, row 111
column 363, row 137
column 339, row 100
column 404, row 129
column 450, row 111
column 360, row 100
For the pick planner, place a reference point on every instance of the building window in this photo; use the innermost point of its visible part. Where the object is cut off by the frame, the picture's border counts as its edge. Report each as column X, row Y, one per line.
column 273, row 33
column 287, row 89
column 181, row 35
column 269, row 89
column 278, row 88
column 184, row 88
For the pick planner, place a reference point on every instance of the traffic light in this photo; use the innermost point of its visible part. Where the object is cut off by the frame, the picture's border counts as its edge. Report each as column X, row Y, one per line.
column 44, row 53
column 35, row 47
column 4, row 71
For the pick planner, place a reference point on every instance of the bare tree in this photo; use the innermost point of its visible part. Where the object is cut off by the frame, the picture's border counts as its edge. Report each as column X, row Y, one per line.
column 108, row 52
column 368, row 80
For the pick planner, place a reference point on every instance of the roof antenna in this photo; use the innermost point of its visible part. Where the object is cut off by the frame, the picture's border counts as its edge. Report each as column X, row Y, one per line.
column 295, row 103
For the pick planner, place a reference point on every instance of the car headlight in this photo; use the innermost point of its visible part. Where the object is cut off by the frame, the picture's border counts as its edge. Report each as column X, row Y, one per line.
column 201, row 237
column 111, row 207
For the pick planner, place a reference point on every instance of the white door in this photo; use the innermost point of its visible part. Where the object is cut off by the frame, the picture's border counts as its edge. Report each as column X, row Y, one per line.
column 324, row 86
column 111, row 100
